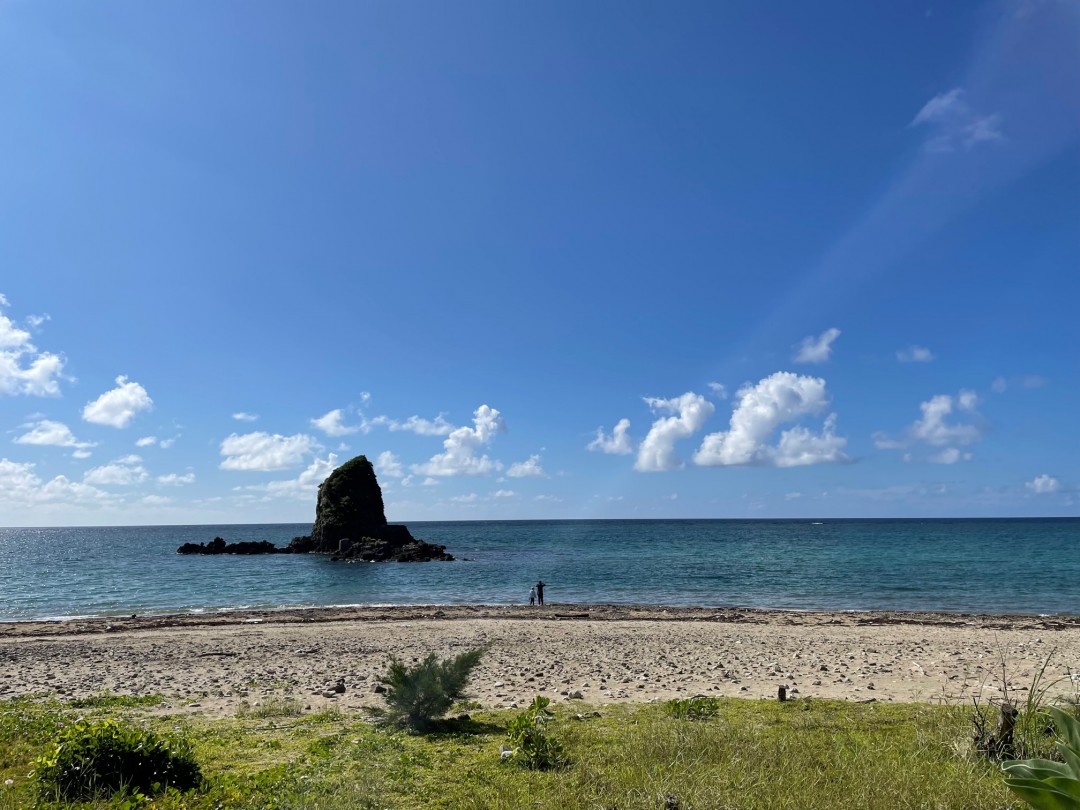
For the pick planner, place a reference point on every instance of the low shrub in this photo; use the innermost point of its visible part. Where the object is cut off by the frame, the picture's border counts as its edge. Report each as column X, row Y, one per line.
column 100, row 759
column 695, row 708
column 272, row 706
column 530, row 745
column 416, row 696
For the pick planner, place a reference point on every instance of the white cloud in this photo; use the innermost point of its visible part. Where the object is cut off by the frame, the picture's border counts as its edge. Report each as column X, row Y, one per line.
column 934, row 428
column 882, row 441
column 950, row 455
column 81, row 454
column 306, row 485
column 618, row 443
column 263, row 452
column 389, row 466
column 124, row 472
column 23, row 369
column 799, row 447
column 915, row 354
column 760, row 410
column 938, row 428
column 416, row 424
column 816, row 349
column 504, row 493
column 21, row 487
column 1044, row 485
column 792, row 496
column 461, row 447
column 954, row 124
column 471, row 498
column 4, row 301
column 332, row 424
column 1000, row 384
column 657, row 450
column 243, row 416
column 48, row 432
column 156, row 500
column 153, row 441
column 119, row 406
column 526, row 469
column 719, row 390
column 176, row 480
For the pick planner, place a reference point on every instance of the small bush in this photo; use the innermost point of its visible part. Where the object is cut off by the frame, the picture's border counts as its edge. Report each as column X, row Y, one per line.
column 695, row 708
column 271, row 707
column 418, row 695
column 99, row 759
column 530, row 744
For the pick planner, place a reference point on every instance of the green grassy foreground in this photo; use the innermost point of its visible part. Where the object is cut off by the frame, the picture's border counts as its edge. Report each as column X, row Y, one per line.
column 756, row 755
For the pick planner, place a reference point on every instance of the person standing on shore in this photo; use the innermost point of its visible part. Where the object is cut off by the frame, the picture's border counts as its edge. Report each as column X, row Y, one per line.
column 532, row 596
column 540, row 593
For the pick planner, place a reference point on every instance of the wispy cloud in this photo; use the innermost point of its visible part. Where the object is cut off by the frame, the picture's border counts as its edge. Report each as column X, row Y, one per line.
column 915, row 354
column 333, row 424
column 948, row 422
column 530, row 468
column 1044, row 485
column 816, row 349
column 954, row 124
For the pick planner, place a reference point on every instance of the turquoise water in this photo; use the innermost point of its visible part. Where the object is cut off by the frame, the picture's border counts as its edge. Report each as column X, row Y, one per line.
column 985, row 566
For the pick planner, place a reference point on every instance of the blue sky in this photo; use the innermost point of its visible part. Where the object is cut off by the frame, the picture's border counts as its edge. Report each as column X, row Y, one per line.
column 600, row 259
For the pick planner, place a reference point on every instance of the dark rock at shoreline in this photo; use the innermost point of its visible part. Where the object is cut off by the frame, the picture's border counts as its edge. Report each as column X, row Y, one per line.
column 219, row 546
column 350, row 504
column 350, row 522
column 395, row 545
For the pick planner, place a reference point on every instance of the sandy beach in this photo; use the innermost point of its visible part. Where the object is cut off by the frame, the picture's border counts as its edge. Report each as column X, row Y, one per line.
column 211, row 664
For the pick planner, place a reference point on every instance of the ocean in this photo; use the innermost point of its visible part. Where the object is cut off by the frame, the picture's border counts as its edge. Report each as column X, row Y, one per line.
column 982, row 566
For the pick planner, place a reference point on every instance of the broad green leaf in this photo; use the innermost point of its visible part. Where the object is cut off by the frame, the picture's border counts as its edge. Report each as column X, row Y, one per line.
column 1036, row 769
column 1067, row 726
column 1041, row 796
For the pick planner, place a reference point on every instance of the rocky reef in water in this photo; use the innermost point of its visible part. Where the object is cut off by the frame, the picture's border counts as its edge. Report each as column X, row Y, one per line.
column 219, row 546
column 350, row 524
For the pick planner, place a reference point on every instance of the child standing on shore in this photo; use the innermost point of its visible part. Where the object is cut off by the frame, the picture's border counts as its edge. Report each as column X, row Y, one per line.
column 532, row 596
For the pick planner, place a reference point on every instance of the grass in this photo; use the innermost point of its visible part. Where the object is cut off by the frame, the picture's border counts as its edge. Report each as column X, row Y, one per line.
column 750, row 755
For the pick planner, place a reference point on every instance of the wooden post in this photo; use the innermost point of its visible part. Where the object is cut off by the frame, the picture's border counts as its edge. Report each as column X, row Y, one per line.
column 781, row 694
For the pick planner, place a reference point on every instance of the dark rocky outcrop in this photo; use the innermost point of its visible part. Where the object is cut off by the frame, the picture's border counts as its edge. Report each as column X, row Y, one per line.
column 350, row 522
column 219, row 546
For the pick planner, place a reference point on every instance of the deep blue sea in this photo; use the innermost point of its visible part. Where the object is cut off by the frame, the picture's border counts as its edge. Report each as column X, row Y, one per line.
column 985, row 566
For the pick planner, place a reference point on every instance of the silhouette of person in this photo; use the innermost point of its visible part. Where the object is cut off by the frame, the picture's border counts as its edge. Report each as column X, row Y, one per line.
column 540, row 592
column 532, row 595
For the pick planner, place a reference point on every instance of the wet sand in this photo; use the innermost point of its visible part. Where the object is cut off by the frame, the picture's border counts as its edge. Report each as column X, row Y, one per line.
column 212, row 663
